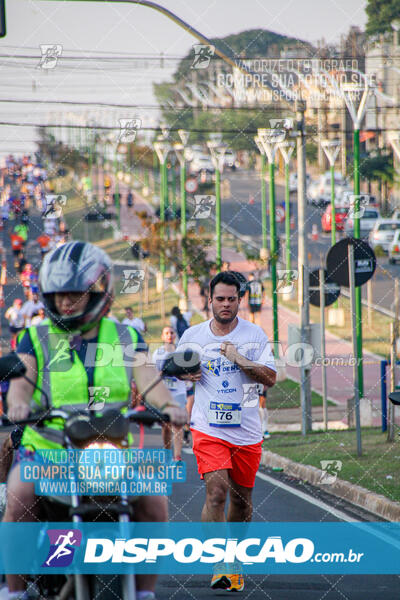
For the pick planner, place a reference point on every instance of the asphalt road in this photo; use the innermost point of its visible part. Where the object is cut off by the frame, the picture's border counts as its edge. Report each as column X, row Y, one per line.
column 243, row 212
column 272, row 504
column 294, row 502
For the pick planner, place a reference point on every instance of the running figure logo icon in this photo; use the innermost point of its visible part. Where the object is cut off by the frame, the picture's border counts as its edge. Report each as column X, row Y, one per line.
column 61, row 552
column 129, row 129
column 202, row 56
column 204, row 205
column 50, row 55
column 61, row 353
column 132, row 281
column 251, row 394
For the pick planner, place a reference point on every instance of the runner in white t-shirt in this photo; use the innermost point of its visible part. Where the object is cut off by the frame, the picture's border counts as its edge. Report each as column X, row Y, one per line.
column 31, row 307
column 226, row 429
column 134, row 322
column 176, row 387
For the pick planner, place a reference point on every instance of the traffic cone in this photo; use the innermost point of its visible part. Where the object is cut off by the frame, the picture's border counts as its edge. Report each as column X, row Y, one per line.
column 292, row 222
column 314, row 232
column 3, row 274
column 2, row 303
column 251, row 199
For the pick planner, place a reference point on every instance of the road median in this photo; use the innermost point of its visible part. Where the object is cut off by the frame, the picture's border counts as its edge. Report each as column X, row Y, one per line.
column 329, row 460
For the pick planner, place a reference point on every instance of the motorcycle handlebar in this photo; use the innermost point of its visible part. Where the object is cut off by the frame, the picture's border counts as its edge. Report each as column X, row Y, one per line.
column 144, row 414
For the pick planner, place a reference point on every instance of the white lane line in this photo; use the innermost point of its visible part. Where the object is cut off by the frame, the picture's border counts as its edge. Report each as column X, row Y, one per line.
column 334, row 511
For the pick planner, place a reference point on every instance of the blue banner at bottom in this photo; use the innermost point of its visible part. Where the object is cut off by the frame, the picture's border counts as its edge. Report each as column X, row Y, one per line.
column 166, row 548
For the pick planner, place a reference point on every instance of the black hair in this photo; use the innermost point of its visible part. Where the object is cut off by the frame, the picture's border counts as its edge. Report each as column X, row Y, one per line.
column 227, row 277
column 176, row 312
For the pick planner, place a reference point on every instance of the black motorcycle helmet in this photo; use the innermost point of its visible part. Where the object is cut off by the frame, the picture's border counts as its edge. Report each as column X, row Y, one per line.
column 77, row 267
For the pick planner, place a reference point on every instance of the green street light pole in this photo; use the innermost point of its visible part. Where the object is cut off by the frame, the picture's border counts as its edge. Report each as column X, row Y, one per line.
column 348, row 91
column 116, row 189
column 332, row 149
column 180, row 154
column 264, row 247
column 286, row 149
column 217, row 152
column 164, row 205
column 173, row 189
column 162, row 148
column 269, row 139
column 218, row 217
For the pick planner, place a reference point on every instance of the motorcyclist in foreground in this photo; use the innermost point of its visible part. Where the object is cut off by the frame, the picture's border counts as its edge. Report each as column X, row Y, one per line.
column 61, row 358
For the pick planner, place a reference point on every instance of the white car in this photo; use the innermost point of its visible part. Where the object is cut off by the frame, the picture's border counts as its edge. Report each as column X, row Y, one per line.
column 383, row 233
column 367, row 222
column 192, row 151
column 394, row 248
column 230, row 159
column 201, row 163
column 319, row 191
column 293, row 181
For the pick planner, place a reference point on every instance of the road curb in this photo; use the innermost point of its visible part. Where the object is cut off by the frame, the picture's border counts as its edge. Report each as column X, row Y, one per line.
column 374, row 503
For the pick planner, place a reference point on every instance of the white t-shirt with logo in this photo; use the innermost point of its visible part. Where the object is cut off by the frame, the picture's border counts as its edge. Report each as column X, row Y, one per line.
column 226, row 399
column 175, row 386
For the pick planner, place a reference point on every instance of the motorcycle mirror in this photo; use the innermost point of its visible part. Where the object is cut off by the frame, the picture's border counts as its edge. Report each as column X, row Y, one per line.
column 11, row 366
column 181, row 363
column 394, row 397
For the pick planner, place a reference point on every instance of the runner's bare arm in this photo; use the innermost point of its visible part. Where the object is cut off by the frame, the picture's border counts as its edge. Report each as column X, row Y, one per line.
column 257, row 372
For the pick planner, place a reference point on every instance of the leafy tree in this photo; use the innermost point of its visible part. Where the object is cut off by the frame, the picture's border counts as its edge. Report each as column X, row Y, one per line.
column 256, row 43
column 161, row 239
column 379, row 167
column 381, row 14
column 60, row 155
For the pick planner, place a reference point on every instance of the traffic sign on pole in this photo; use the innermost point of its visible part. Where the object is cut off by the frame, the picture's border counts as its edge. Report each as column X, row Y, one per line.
column 331, row 289
column 191, row 186
column 364, row 262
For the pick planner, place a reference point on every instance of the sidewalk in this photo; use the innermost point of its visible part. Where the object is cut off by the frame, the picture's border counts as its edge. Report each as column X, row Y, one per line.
column 339, row 378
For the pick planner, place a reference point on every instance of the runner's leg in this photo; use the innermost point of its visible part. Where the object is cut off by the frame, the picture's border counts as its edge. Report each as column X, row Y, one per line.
column 22, row 505
column 167, row 436
column 240, row 505
column 178, row 441
column 217, row 484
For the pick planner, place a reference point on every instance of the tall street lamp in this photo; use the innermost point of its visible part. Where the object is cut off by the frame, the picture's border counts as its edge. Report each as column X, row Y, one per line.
column 217, row 151
column 179, row 149
column 264, row 248
column 350, row 92
column 270, row 138
column 162, row 148
column 286, row 148
column 332, row 149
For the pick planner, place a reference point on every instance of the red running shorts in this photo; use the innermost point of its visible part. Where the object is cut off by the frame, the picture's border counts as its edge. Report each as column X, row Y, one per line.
column 214, row 454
